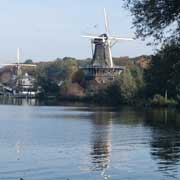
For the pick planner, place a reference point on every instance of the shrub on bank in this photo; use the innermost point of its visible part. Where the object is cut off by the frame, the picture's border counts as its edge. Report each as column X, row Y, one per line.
column 161, row 101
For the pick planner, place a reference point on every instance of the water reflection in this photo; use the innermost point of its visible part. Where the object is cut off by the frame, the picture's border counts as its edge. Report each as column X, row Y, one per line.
column 161, row 130
column 5, row 100
column 126, row 143
column 101, row 141
column 165, row 144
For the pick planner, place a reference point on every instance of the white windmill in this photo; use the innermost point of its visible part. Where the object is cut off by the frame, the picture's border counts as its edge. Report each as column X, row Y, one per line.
column 102, row 44
column 19, row 65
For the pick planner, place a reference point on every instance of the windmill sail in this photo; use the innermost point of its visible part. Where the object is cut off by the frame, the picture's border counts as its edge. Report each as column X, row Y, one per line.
column 18, row 64
column 102, row 55
column 106, row 22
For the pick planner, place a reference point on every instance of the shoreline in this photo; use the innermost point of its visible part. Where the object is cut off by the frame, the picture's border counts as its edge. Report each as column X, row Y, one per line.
column 91, row 100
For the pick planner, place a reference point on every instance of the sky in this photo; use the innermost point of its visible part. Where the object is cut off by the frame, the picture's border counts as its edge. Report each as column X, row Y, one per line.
column 47, row 29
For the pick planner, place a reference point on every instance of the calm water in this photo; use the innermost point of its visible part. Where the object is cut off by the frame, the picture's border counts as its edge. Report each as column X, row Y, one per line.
column 84, row 143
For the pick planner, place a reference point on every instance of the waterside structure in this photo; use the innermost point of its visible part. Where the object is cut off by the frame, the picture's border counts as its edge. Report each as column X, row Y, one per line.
column 19, row 85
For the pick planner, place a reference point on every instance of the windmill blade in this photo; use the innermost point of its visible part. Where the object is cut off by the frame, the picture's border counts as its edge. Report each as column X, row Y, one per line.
column 121, row 39
column 8, row 64
column 28, row 65
column 93, row 37
column 106, row 22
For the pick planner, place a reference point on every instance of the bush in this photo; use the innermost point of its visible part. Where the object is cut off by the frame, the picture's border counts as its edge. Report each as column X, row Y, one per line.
column 161, row 101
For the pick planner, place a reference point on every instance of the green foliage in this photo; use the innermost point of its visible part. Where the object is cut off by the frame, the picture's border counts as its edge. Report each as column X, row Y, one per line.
column 158, row 18
column 125, row 89
column 69, row 59
column 84, row 62
column 112, row 94
column 50, row 75
column 164, row 72
column 138, row 76
column 128, row 86
column 78, row 76
column 109, row 94
column 28, row 61
column 70, row 67
column 48, row 89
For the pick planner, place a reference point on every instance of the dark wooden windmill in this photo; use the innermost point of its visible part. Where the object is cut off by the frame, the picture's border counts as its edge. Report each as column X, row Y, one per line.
column 102, row 67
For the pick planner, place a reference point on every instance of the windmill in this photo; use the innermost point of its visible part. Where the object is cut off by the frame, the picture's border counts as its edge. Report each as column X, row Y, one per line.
column 19, row 65
column 21, row 85
column 102, row 45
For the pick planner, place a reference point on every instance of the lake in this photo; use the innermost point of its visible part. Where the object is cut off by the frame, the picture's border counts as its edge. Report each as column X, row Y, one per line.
column 88, row 143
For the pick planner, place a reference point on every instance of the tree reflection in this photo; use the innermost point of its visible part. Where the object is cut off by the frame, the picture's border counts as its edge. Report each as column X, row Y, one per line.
column 165, row 144
column 163, row 127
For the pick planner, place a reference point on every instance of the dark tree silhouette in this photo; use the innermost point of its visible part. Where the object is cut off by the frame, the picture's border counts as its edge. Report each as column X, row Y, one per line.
column 157, row 18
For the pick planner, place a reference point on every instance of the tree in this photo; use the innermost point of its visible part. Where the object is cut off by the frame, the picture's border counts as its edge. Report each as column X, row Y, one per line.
column 78, row 76
column 112, row 94
column 138, row 76
column 28, row 61
column 164, row 72
column 51, row 74
column 46, row 80
column 70, row 66
column 128, row 86
column 157, row 18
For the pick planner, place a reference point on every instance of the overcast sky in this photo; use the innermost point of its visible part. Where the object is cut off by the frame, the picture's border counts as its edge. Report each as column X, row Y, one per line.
column 47, row 29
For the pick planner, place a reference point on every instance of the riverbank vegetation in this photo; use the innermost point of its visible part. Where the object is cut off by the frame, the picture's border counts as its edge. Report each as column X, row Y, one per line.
column 147, row 80
column 156, row 84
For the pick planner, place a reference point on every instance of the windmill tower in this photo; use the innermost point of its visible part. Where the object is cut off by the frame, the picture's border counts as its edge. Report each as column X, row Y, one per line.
column 102, row 67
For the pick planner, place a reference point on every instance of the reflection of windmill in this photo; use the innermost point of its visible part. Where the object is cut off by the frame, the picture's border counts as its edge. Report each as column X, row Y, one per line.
column 19, row 65
column 102, row 142
column 102, row 63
